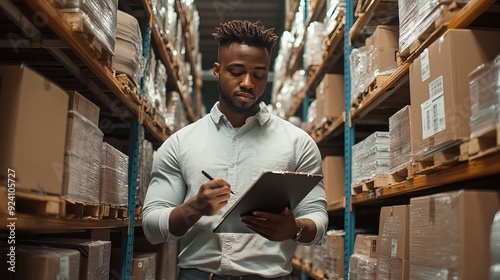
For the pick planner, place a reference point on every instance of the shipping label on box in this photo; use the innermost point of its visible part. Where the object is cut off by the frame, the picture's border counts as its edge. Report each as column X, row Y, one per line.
column 439, row 89
column 433, row 110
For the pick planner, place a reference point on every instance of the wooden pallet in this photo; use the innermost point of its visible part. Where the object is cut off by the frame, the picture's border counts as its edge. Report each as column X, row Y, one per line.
column 54, row 206
column 484, row 145
column 75, row 209
column 336, row 32
column 86, row 34
column 320, row 128
column 438, row 160
column 377, row 182
column 369, row 91
column 31, row 203
column 377, row 82
column 401, row 175
column 318, row 273
column 159, row 122
column 128, row 87
column 448, row 12
column 107, row 211
column 311, row 70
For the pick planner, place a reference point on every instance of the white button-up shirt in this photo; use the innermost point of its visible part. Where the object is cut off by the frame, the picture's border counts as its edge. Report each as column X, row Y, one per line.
column 265, row 142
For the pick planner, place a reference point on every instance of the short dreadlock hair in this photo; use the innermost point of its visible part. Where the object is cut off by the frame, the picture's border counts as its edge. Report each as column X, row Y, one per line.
column 245, row 32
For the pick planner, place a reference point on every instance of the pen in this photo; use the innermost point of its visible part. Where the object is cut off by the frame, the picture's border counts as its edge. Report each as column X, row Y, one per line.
column 210, row 177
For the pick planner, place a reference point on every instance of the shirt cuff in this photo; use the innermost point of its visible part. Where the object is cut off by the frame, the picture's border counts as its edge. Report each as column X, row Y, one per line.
column 321, row 225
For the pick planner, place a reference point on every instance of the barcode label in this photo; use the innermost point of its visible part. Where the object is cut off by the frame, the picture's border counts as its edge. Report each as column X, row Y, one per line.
column 433, row 111
column 63, row 268
column 436, row 87
column 438, row 114
column 424, row 63
column 394, row 248
column 426, row 119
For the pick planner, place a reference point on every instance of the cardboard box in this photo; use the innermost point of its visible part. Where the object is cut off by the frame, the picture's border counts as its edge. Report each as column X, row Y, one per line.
column 42, row 263
column 333, row 95
column 394, row 241
column 81, row 176
column 84, row 106
column 33, row 116
column 366, row 245
column 394, row 232
column 400, row 140
column 384, row 46
column 450, row 233
column 143, row 266
column 439, row 88
column 166, row 253
column 94, row 255
column 334, row 177
column 334, row 259
column 393, row 269
column 113, row 188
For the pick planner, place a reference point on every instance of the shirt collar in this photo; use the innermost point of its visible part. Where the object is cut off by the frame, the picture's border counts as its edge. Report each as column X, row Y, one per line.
column 263, row 115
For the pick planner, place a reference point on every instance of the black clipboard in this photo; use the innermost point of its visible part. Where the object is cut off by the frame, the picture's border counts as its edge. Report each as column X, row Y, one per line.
column 271, row 192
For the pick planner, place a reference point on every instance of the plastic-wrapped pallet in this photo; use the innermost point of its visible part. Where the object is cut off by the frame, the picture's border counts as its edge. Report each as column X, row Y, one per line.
column 318, row 258
column 176, row 117
column 313, row 54
column 290, row 88
column 393, row 247
column 415, row 17
column 371, row 157
column 362, row 267
column 81, row 173
column 97, row 16
column 381, row 48
column 145, row 166
column 114, row 176
column 42, row 263
column 160, row 96
column 128, row 57
column 485, row 98
column 334, row 9
column 400, row 140
column 304, row 254
column 149, row 76
column 449, row 234
column 495, row 248
column 363, row 261
column 358, row 67
column 334, row 257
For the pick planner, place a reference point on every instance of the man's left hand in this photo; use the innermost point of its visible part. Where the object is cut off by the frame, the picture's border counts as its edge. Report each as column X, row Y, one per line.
column 275, row 227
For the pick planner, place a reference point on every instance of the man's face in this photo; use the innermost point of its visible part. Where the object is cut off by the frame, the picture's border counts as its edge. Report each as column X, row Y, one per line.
column 242, row 73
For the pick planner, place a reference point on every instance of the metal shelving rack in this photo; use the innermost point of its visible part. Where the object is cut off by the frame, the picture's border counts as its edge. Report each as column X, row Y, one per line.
column 70, row 52
column 468, row 170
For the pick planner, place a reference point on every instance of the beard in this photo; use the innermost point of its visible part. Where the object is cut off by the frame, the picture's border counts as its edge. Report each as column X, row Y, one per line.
column 226, row 99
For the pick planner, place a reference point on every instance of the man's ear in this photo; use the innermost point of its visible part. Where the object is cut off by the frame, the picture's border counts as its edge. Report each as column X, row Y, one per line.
column 216, row 70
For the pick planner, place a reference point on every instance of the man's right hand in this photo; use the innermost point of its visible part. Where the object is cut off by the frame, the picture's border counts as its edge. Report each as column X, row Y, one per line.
column 212, row 196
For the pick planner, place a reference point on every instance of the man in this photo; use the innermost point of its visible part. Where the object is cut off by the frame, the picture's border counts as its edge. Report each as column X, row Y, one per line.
column 238, row 140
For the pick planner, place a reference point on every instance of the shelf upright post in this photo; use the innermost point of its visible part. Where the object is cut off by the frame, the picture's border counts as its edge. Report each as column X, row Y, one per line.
column 305, row 101
column 349, row 217
column 133, row 168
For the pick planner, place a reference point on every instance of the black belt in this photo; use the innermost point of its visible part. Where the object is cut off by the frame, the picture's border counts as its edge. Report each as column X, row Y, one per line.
column 199, row 274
